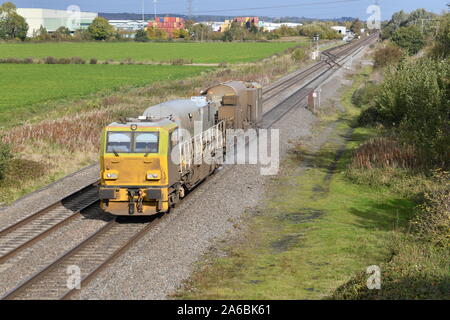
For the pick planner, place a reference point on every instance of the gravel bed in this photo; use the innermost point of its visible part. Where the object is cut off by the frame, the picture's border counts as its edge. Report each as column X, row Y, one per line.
column 45, row 197
column 45, row 251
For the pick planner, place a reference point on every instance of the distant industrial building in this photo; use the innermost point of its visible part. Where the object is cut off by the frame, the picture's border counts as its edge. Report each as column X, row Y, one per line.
column 248, row 22
column 340, row 29
column 128, row 25
column 54, row 19
column 168, row 24
column 271, row 26
column 346, row 34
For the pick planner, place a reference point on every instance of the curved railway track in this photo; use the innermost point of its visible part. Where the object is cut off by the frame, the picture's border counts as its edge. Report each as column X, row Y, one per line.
column 102, row 247
column 331, row 55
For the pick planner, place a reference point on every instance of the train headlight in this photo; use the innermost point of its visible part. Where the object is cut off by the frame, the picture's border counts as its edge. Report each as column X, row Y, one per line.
column 111, row 175
column 152, row 176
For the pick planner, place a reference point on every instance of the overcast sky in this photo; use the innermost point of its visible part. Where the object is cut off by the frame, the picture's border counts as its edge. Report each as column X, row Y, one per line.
column 273, row 8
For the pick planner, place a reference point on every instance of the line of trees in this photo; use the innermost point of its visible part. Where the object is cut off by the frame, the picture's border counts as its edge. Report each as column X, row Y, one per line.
column 12, row 25
column 414, row 98
column 239, row 32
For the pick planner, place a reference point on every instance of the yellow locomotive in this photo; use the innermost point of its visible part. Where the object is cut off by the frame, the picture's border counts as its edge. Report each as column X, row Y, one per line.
column 148, row 164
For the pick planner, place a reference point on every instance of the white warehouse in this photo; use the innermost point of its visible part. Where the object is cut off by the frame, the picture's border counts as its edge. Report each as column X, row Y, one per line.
column 53, row 19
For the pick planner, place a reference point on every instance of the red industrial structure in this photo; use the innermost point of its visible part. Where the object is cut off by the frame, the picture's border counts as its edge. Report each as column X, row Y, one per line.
column 247, row 21
column 168, row 24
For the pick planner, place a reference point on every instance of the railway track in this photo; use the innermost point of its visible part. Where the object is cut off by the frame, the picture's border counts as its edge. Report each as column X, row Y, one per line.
column 89, row 257
column 331, row 55
column 26, row 232
column 101, row 248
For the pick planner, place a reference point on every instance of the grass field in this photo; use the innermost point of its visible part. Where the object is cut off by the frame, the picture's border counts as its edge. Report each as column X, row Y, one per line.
column 24, row 86
column 198, row 52
column 309, row 239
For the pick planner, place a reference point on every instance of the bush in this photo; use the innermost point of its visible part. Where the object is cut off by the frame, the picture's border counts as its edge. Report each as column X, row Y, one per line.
column 432, row 222
column 409, row 38
column 141, row 36
column 370, row 117
column 441, row 47
column 299, row 55
column 50, row 60
column 365, row 95
column 416, row 271
column 388, row 55
column 414, row 99
column 5, row 158
column 77, row 60
column 64, row 61
column 93, row 61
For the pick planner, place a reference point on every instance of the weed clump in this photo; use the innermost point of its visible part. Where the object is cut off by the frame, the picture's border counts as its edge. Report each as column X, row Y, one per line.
column 432, row 222
column 50, row 60
column 5, row 158
column 387, row 56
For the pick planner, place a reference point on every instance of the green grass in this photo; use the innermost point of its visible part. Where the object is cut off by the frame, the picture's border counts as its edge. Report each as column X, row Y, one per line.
column 315, row 230
column 309, row 239
column 27, row 88
column 198, row 52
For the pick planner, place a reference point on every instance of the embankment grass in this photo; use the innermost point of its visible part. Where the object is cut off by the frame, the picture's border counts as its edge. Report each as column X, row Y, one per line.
column 315, row 230
column 320, row 229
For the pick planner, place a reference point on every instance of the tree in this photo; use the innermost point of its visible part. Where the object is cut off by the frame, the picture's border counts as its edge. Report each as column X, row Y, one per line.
column 141, row 36
column 12, row 25
column 41, row 34
column 441, row 47
column 356, row 27
column 181, row 34
column 100, row 29
column 155, row 33
column 8, row 7
column 200, row 32
column 235, row 32
column 409, row 38
column 399, row 19
column 61, row 33
column 82, row 34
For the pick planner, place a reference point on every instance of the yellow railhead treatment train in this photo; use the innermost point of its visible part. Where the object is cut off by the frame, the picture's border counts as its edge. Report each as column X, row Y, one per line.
column 148, row 164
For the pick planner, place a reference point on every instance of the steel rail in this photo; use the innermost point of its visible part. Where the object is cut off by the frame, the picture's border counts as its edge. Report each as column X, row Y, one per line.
column 291, row 81
column 33, row 278
column 283, row 107
column 295, row 75
column 29, row 230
